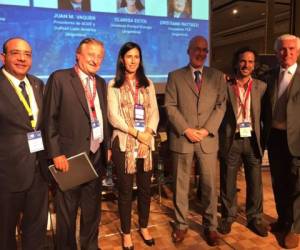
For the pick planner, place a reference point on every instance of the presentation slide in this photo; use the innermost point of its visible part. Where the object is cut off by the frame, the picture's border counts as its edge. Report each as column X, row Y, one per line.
column 54, row 28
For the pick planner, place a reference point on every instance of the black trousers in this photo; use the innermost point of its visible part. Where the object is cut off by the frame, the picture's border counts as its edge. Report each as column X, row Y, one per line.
column 125, row 185
column 285, row 172
column 242, row 151
column 87, row 197
column 33, row 204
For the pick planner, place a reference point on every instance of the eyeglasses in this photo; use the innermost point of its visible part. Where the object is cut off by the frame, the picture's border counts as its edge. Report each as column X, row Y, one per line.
column 19, row 53
column 198, row 49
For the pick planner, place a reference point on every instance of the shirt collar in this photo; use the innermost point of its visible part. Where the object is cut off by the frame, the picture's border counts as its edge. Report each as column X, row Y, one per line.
column 194, row 69
column 76, row 6
column 292, row 69
column 15, row 80
column 83, row 76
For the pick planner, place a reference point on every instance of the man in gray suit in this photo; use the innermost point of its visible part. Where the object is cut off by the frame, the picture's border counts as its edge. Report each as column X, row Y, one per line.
column 282, row 136
column 240, row 143
column 195, row 101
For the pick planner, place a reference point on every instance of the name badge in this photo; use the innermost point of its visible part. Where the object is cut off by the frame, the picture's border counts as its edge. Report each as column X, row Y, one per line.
column 97, row 130
column 139, row 112
column 245, row 129
column 35, row 141
column 139, row 125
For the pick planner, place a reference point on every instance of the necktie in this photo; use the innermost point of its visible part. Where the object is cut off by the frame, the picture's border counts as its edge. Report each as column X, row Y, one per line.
column 197, row 74
column 286, row 77
column 22, row 86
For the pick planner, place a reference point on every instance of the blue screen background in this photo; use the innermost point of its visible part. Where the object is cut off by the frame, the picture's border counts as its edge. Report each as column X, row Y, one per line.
column 54, row 35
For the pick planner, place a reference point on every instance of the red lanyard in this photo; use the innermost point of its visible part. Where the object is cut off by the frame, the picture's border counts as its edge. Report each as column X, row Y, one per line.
column 90, row 96
column 242, row 104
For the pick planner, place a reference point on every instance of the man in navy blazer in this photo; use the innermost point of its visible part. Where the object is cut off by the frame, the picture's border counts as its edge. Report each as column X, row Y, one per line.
column 22, row 187
column 75, row 122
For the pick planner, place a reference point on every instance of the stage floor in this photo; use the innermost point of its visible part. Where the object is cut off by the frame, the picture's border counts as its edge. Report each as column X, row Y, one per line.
column 161, row 218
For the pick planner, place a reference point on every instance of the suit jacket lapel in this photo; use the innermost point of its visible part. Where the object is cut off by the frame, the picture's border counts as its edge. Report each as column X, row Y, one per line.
column 233, row 99
column 79, row 90
column 274, row 90
column 295, row 86
column 204, row 84
column 100, row 95
column 38, row 97
column 190, row 80
column 7, row 89
column 255, row 100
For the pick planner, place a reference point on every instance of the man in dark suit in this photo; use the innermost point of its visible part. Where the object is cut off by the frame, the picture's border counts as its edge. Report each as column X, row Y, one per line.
column 282, row 136
column 240, row 143
column 22, row 187
column 74, row 5
column 195, row 101
column 76, row 121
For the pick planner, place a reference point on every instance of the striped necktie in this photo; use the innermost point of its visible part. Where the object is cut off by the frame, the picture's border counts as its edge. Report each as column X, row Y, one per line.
column 22, row 86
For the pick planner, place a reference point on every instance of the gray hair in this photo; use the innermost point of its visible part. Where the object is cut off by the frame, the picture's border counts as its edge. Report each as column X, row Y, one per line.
column 286, row 37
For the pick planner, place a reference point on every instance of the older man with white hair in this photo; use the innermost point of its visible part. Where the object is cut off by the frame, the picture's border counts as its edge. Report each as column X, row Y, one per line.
column 282, row 137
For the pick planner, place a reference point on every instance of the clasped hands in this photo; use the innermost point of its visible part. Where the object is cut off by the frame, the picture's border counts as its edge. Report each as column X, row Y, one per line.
column 145, row 139
column 196, row 135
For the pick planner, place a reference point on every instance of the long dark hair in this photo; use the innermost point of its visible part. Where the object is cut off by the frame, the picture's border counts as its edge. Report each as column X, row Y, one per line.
column 138, row 4
column 120, row 69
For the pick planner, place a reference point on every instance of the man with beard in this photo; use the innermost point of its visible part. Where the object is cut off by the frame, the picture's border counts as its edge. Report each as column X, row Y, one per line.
column 195, row 102
column 240, row 143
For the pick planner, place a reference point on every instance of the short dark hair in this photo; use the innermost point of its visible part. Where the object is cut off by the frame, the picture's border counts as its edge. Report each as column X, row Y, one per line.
column 240, row 51
column 120, row 69
column 4, row 46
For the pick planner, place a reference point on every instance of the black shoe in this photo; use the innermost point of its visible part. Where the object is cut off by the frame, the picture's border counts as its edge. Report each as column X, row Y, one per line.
column 128, row 248
column 224, row 226
column 258, row 227
column 150, row 242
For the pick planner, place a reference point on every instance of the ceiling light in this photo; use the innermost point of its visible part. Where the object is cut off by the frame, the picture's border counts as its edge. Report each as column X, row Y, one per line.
column 234, row 11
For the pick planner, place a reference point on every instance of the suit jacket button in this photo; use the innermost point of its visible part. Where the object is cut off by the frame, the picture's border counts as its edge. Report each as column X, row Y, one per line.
column 88, row 138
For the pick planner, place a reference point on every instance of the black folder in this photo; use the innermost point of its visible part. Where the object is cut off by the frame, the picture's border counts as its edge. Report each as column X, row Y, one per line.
column 80, row 171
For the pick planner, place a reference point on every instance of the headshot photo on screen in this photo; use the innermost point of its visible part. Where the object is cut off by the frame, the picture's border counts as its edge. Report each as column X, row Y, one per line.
column 180, row 8
column 131, row 7
column 83, row 5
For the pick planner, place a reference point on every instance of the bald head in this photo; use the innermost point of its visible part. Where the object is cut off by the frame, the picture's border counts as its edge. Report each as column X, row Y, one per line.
column 197, row 51
column 17, row 57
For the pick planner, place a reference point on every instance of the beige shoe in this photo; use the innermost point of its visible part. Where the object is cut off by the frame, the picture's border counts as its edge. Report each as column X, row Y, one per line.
column 291, row 240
